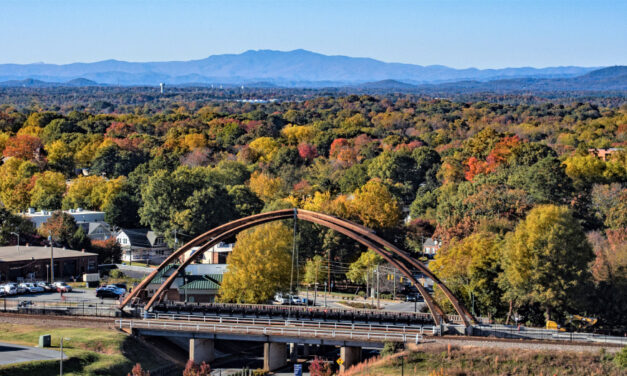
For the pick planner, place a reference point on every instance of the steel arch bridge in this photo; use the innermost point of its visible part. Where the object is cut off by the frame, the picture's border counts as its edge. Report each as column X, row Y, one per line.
column 363, row 235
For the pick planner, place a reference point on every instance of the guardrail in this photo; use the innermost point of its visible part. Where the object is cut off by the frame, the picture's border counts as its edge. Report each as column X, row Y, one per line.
column 285, row 331
column 417, row 329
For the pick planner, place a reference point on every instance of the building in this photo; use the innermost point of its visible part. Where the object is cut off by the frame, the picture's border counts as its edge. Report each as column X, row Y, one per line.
column 200, row 284
column 142, row 245
column 33, row 263
column 80, row 216
column 604, row 153
column 96, row 230
column 214, row 255
column 430, row 247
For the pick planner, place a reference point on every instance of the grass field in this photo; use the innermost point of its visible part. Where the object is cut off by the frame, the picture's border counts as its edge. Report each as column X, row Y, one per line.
column 467, row 361
column 91, row 351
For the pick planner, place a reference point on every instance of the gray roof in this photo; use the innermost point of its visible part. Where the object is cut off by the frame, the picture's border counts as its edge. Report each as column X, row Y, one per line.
column 430, row 242
column 140, row 237
column 10, row 253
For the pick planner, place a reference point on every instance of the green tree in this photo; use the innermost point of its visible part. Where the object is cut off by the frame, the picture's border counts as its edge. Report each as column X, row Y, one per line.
column 62, row 228
column 546, row 260
column 360, row 270
column 259, row 265
column 315, row 270
column 245, row 201
column 122, row 211
column 11, row 223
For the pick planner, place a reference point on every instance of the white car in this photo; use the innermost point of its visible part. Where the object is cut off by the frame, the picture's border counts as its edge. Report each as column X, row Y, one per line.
column 18, row 289
column 9, row 289
column 62, row 286
column 31, row 287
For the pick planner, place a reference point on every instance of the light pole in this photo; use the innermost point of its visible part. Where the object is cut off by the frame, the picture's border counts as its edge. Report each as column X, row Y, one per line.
column 61, row 349
column 325, row 294
column 18, row 240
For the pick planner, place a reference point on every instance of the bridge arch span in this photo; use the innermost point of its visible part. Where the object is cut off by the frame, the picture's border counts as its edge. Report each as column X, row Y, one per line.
column 363, row 235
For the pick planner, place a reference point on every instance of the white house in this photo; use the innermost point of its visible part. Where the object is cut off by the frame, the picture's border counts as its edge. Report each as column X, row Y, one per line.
column 214, row 255
column 142, row 245
column 431, row 247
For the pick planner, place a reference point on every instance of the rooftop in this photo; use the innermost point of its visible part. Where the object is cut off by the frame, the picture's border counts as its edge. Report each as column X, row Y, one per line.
column 44, row 213
column 10, row 253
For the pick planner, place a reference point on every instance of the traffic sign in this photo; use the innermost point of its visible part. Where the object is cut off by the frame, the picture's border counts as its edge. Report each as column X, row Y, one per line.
column 340, row 361
column 298, row 370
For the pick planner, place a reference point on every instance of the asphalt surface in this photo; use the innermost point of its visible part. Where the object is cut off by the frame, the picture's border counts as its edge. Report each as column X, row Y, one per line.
column 10, row 353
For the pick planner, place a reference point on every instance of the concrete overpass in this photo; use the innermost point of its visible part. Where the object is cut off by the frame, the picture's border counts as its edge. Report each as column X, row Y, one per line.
column 277, row 335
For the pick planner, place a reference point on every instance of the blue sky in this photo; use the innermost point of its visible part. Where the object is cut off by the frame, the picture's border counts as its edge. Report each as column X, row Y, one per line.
column 470, row 33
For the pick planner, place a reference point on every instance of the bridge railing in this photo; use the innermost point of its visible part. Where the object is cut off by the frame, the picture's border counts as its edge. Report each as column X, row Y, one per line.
column 284, row 331
column 291, row 323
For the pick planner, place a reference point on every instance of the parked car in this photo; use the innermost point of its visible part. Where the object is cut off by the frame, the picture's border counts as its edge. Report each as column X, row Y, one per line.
column 109, row 291
column 18, row 289
column 62, row 287
column 31, row 287
column 10, row 289
column 46, row 286
column 121, row 286
column 414, row 298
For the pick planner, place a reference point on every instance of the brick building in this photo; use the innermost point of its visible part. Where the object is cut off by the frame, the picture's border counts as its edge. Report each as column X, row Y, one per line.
column 33, row 263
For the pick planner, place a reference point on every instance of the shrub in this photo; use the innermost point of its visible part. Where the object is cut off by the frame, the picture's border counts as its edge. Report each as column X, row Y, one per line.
column 621, row 358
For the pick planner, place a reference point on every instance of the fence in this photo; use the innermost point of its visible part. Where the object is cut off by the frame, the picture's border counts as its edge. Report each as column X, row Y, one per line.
column 56, row 307
column 512, row 332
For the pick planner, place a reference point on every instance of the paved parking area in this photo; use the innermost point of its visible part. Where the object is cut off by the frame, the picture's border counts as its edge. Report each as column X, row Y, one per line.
column 10, row 353
column 80, row 295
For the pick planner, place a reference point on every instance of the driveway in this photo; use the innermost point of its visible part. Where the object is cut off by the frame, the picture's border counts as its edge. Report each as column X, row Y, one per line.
column 10, row 353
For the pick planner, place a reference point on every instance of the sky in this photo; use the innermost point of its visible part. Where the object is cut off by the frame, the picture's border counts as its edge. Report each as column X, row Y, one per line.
column 455, row 33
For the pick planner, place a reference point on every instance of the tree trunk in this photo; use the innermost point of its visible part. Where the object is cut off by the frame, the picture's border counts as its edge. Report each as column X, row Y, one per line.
column 509, row 313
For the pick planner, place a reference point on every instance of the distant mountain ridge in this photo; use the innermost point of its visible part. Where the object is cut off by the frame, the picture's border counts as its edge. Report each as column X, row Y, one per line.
column 298, row 68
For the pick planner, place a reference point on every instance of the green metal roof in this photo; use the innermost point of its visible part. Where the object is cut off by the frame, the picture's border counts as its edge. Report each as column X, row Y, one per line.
column 161, row 276
column 202, row 283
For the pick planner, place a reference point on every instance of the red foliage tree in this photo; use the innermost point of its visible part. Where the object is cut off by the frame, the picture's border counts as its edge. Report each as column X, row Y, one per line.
column 24, row 147
column 474, row 167
column 193, row 369
column 319, row 367
column 307, row 152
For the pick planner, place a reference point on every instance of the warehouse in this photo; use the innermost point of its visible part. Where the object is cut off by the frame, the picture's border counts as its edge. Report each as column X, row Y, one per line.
column 33, row 263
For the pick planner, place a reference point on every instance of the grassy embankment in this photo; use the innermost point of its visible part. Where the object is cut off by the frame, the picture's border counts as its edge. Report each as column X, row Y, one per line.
column 90, row 351
column 456, row 361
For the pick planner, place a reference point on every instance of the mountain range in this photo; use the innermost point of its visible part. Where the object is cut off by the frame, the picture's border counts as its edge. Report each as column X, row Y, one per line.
column 298, row 68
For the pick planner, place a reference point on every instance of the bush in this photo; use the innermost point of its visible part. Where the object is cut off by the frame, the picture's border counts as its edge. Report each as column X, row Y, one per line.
column 620, row 359
column 390, row 348
column 116, row 273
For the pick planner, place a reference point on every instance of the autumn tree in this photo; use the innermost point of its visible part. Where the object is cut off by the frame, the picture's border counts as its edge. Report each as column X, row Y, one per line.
column 471, row 268
column 11, row 224
column 546, row 259
column 25, row 147
column 362, row 270
column 259, row 265
column 315, row 270
column 48, row 190
column 375, row 206
column 62, row 229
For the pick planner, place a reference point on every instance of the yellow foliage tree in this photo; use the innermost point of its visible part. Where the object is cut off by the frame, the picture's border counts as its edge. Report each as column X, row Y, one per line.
column 295, row 134
column 259, row 266
column 15, row 179
column 194, row 140
column 264, row 148
column 86, row 152
column 47, row 193
column 266, row 187
column 375, row 206
column 84, row 192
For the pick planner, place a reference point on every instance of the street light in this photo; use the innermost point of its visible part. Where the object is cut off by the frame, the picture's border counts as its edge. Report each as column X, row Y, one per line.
column 18, row 240
column 61, row 349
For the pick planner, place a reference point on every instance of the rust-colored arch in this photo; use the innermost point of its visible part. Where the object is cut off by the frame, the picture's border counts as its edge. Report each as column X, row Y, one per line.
column 361, row 234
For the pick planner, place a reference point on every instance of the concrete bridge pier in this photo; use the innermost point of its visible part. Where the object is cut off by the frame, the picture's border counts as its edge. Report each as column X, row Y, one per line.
column 293, row 352
column 201, row 350
column 274, row 356
column 350, row 355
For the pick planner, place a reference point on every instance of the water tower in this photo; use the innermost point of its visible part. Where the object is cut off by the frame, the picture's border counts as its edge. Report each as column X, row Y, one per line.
column 162, row 85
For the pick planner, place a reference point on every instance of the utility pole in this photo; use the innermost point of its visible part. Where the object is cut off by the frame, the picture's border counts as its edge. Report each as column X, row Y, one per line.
column 378, row 290
column 18, row 240
column 325, row 295
column 51, row 258
column 293, row 258
column 394, row 275
column 373, row 288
